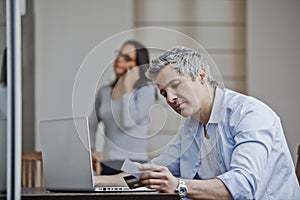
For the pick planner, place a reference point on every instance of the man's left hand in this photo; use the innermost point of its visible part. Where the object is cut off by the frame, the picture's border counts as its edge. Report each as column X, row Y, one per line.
column 159, row 178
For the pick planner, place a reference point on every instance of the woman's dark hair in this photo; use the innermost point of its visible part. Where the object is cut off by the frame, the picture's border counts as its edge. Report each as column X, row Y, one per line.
column 3, row 78
column 142, row 61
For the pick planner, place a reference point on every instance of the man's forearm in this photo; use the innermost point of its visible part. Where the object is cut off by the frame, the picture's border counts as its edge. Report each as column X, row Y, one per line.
column 207, row 189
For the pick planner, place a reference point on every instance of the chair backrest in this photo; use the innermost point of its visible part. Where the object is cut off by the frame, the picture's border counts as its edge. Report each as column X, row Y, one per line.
column 298, row 164
column 30, row 162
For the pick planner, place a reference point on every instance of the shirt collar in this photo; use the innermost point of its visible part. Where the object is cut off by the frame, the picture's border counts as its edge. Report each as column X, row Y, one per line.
column 218, row 110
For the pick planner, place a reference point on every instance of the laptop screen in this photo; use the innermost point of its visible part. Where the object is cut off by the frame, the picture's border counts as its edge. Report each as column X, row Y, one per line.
column 66, row 154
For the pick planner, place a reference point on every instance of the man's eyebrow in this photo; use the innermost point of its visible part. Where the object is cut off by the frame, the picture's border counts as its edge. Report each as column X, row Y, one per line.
column 167, row 85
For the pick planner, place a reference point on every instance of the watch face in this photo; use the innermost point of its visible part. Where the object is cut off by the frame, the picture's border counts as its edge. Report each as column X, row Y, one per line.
column 182, row 190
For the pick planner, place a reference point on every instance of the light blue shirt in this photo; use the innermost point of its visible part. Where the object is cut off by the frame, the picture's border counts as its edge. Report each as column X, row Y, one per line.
column 250, row 147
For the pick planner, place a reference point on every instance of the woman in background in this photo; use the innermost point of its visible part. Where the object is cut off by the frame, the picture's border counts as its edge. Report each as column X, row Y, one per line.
column 123, row 106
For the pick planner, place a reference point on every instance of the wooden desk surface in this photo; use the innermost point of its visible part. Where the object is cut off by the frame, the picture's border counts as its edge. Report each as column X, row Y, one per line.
column 41, row 193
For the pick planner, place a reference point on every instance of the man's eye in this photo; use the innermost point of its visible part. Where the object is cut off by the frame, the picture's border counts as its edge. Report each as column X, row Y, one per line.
column 175, row 85
column 163, row 93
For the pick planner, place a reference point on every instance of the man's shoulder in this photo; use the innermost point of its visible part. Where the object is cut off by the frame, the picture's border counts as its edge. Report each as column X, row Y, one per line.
column 233, row 95
column 242, row 104
column 234, row 99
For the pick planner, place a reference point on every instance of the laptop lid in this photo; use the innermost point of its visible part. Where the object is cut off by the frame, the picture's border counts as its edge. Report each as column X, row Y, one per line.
column 66, row 154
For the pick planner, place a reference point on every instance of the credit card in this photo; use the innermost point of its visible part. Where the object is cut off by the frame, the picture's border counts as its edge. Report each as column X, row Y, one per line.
column 133, row 182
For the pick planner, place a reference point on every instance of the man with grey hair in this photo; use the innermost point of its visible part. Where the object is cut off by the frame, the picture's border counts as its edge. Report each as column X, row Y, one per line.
column 231, row 145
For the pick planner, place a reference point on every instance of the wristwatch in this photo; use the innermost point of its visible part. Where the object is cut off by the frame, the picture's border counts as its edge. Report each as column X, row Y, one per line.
column 181, row 189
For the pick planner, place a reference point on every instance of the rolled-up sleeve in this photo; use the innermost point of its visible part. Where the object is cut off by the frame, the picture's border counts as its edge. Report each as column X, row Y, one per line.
column 254, row 131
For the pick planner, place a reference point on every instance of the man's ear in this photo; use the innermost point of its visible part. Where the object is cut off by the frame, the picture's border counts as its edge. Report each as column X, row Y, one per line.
column 202, row 74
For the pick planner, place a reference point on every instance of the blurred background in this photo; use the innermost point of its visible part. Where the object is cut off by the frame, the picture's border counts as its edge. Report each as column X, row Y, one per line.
column 254, row 43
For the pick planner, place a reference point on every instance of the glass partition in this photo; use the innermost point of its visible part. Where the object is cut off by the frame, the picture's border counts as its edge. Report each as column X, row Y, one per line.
column 3, row 97
column 14, row 99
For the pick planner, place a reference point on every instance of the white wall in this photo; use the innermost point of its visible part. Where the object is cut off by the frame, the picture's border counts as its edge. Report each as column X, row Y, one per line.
column 65, row 32
column 274, row 60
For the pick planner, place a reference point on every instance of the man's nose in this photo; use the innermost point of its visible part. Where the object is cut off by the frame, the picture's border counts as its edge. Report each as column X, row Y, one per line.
column 171, row 97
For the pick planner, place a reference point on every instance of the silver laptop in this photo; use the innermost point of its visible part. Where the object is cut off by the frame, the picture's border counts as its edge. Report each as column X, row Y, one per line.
column 67, row 157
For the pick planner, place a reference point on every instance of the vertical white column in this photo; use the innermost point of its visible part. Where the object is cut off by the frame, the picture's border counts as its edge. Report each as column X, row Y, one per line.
column 14, row 103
